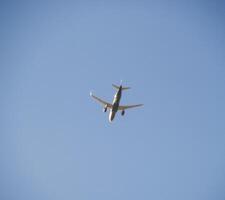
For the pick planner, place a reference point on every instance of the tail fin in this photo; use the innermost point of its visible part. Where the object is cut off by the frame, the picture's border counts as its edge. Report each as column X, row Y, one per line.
column 117, row 87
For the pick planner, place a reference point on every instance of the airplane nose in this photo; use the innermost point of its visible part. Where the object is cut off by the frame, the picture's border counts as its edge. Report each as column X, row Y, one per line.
column 111, row 116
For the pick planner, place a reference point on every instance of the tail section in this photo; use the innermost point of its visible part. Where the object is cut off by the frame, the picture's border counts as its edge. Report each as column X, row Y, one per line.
column 118, row 87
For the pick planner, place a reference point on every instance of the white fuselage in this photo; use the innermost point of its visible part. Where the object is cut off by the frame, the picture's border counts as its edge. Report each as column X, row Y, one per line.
column 115, row 104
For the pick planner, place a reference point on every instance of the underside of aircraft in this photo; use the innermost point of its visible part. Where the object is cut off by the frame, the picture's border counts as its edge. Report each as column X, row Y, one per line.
column 115, row 105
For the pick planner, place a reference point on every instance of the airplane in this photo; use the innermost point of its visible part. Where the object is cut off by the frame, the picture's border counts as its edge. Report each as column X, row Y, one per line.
column 115, row 106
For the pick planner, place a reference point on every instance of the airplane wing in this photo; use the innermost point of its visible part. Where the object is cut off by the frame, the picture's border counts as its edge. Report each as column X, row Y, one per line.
column 109, row 105
column 127, row 107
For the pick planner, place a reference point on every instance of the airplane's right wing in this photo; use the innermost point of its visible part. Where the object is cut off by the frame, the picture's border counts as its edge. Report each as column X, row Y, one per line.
column 127, row 107
column 104, row 103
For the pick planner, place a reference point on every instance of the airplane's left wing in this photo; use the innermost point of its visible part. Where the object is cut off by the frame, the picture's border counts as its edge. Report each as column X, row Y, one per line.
column 109, row 105
column 127, row 107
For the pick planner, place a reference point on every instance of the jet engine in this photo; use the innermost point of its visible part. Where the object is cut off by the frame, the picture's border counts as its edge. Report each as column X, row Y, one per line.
column 123, row 112
column 105, row 108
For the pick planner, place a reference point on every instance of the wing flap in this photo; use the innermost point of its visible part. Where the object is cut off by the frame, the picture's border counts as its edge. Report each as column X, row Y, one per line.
column 129, row 106
column 109, row 105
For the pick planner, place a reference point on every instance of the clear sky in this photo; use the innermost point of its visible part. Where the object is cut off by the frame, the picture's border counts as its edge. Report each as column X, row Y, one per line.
column 55, row 141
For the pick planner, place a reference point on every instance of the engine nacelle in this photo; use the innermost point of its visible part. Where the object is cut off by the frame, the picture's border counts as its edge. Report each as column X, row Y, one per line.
column 105, row 108
column 123, row 112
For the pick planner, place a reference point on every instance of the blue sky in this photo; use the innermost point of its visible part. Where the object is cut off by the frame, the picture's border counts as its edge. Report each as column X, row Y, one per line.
column 55, row 142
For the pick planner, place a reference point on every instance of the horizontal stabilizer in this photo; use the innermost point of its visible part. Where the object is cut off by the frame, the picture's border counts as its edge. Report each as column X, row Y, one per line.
column 118, row 87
